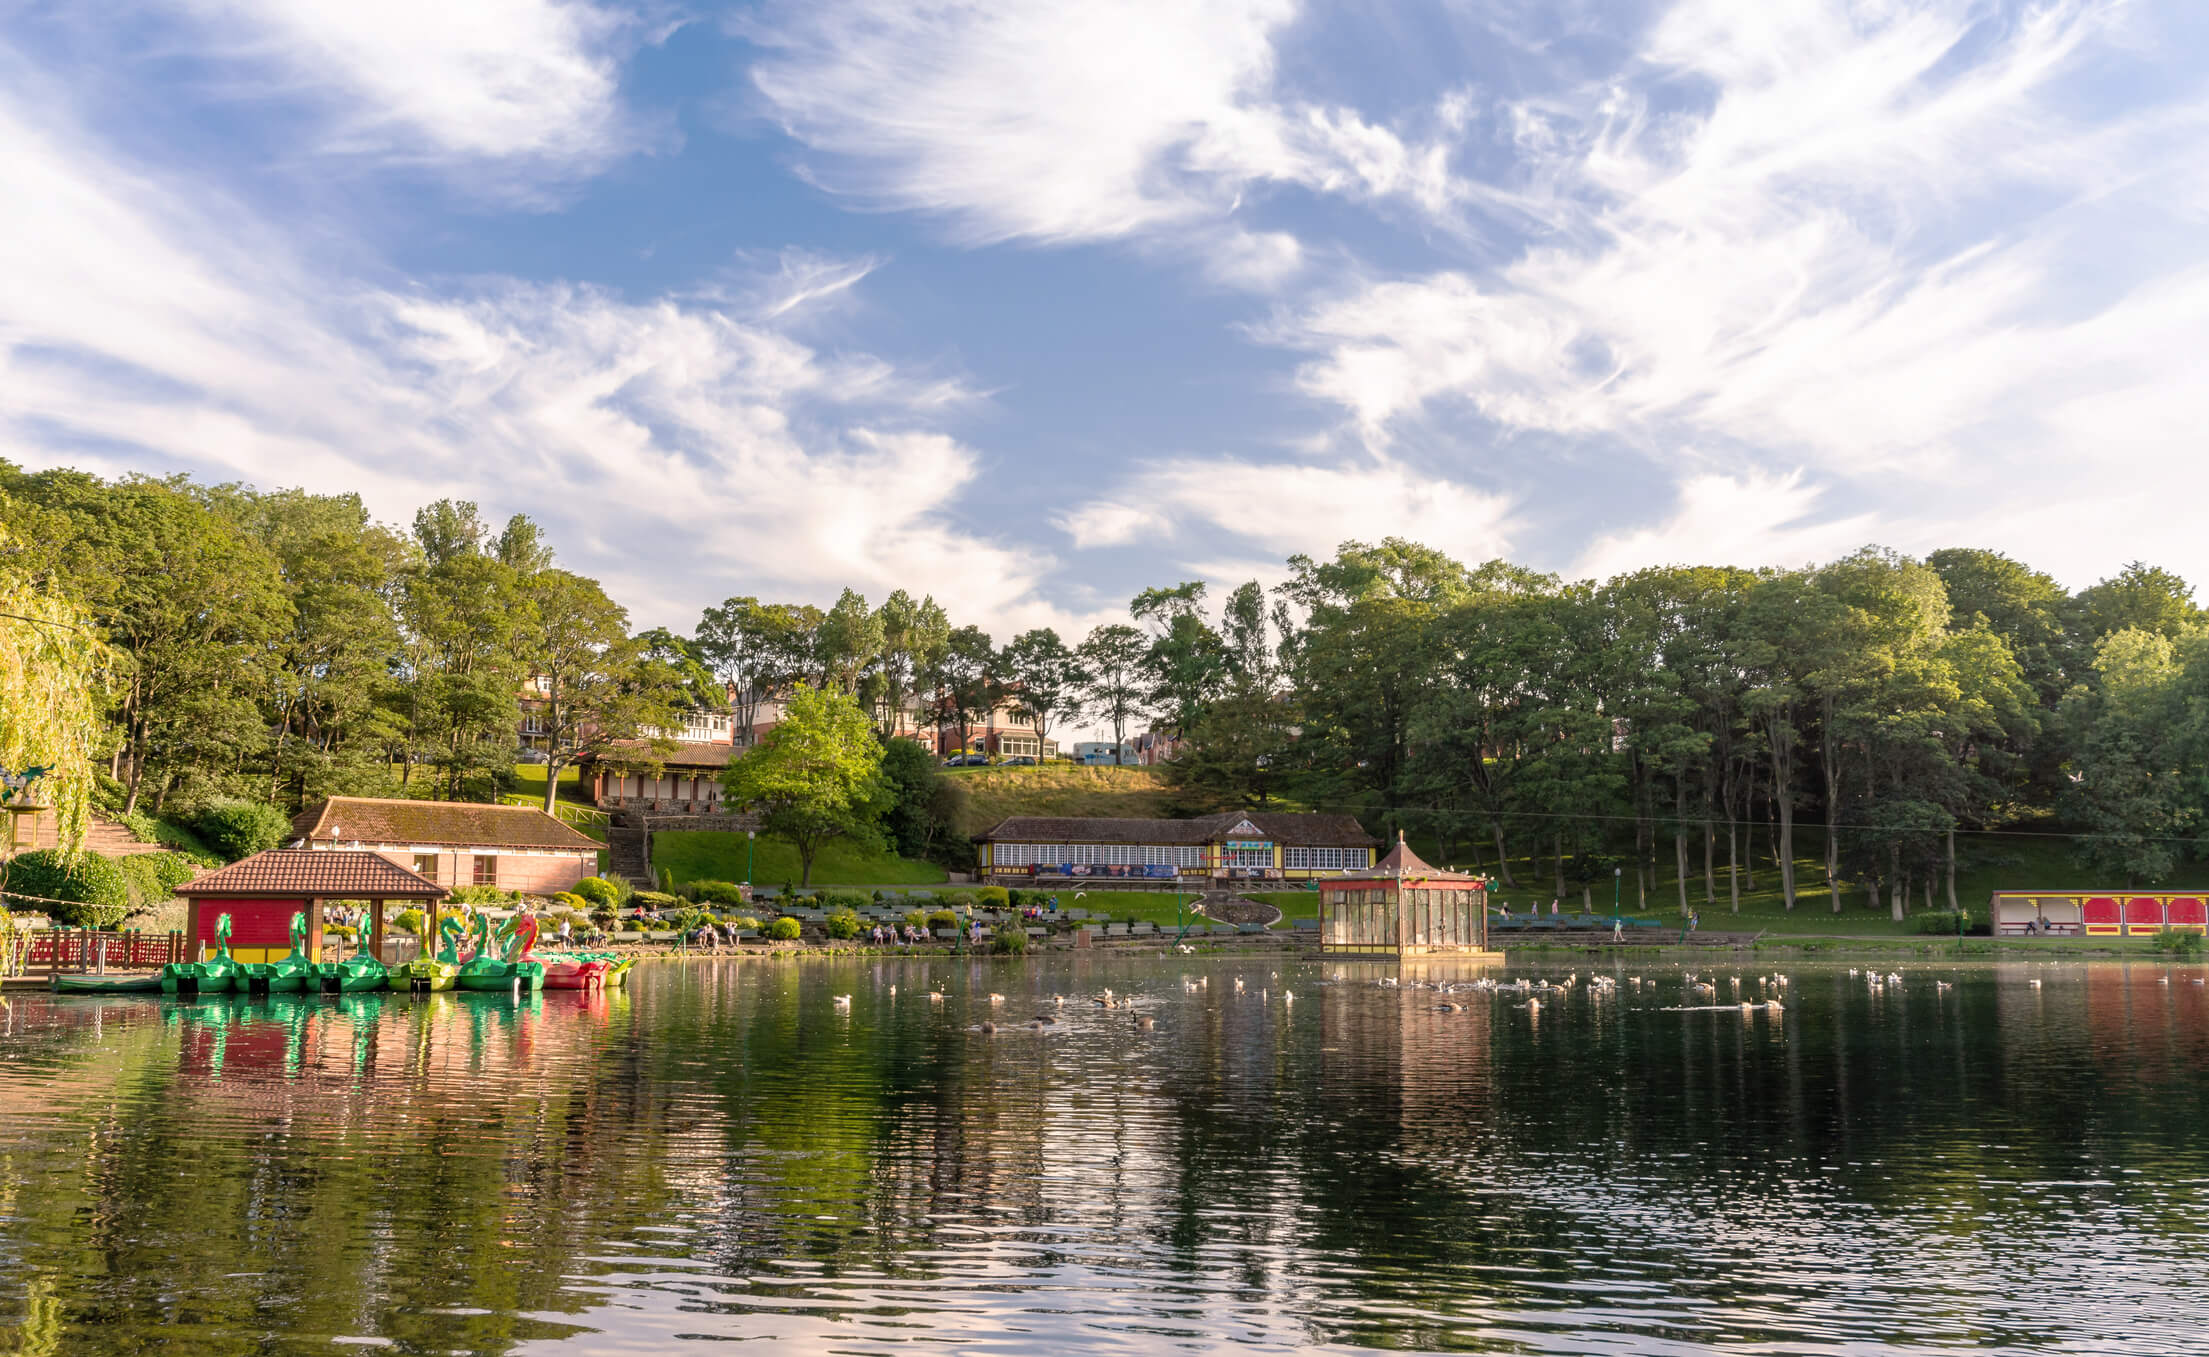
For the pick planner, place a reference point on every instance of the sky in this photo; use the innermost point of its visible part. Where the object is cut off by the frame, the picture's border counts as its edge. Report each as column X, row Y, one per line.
column 1030, row 306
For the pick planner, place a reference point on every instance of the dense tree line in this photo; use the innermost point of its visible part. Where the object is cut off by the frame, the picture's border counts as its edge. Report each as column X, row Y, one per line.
column 281, row 646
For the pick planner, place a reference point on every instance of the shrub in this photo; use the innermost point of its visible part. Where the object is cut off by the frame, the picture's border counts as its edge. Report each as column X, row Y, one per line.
column 571, row 902
column 957, row 900
column 744, row 923
column 482, row 895
column 993, row 897
column 1009, row 942
column 716, row 892
column 410, row 920
column 659, row 900
column 784, row 929
column 599, row 891
column 93, row 891
column 239, row 829
column 2176, row 941
column 142, row 827
column 846, row 899
column 1940, row 921
column 841, row 924
column 916, row 918
column 693, row 919
column 878, row 897
column 943, row 918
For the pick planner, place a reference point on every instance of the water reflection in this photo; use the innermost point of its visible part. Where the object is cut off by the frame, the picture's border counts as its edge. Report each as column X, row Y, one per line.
column 1999, row 1157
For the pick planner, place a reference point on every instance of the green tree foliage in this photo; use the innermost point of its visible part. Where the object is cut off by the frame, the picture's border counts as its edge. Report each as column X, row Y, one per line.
column 925, row 806
column 56, row 676
column 93, row 891
column 2140, row 597
column 965, row 682
column 239, row 829
column 1111, row 658
column 817, row 776
column 1043, row 678
column 760, row 651
column 594, row 686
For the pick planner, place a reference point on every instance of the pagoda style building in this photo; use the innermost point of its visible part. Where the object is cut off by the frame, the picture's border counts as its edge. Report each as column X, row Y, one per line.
column 1401, row 907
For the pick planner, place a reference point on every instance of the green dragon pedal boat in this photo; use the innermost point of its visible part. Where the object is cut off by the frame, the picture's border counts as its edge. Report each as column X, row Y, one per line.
column 509, row 969
column 107, row 984
column 617, row 973
column 441, row 972
column 286, row 975
column 216, row 975
column 357, row 974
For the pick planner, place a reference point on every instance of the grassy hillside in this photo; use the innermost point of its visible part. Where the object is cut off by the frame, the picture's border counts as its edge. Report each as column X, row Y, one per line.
column 1061, row 789
column 713, row 855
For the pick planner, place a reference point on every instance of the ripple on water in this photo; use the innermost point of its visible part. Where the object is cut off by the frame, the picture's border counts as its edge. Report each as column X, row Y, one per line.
column 723, row 1153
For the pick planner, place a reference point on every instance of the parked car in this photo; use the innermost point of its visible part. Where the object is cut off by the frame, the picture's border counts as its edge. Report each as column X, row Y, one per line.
column 1022, row 761
column 967, row 761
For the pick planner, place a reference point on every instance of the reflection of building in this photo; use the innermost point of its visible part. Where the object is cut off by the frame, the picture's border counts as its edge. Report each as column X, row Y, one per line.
column 2104, row 912
column 455, row 843
column 1403, row 907
column 1255, row 846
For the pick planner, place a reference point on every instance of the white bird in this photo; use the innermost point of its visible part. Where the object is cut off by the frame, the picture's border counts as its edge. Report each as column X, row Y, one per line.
column 2036, row 982
column 997, row 998
column 843, row 1001
column 935, row 996
column 893, row 991
column 1287, row 998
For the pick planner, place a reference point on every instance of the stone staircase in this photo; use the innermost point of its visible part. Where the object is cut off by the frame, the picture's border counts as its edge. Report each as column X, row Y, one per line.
column 108, row 839
column 629, row 850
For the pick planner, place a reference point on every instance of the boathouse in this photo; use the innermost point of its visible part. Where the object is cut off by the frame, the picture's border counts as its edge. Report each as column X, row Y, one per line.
column 262, row 892
column 1401, row 907
column 1256, row 846
column 2103, row 913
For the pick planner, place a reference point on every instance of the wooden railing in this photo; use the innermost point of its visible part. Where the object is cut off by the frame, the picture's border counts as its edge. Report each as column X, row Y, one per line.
column 84, row 949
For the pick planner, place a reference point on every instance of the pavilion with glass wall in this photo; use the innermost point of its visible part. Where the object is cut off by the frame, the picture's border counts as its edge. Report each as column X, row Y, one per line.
column 1401, row 907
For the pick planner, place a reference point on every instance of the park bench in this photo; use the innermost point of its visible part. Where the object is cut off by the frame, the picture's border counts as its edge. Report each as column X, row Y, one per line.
column 1144, row 929
column 1307, row 925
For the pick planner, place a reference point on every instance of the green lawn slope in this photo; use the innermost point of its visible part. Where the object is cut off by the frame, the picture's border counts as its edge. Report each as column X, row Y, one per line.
column 715, row 855
column 1061, row 789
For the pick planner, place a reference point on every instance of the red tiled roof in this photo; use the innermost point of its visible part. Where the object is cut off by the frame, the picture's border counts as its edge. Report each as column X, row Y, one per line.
column 474, row 824
column 1333, row 831
column 639, row 754
column 331, row 874
column 1400, row 863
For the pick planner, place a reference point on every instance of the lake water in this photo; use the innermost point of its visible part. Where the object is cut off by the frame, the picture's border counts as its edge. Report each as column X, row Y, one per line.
column 723, row 1153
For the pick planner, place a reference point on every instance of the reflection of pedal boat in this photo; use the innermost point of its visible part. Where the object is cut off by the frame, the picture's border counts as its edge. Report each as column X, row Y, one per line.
column 574, row 971
column 216, row 975
column 107, row 984
column 286, row 975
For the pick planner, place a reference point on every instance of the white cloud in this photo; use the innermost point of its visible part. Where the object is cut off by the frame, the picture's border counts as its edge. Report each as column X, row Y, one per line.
column 1044, row 122
column 1286, row 508
column 1748, row 520
column 515, row 91
column 679, row 451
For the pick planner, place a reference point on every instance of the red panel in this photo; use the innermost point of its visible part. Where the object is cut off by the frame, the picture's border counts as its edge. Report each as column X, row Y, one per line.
column 2143, row 914
column 2099, row 915
column 2188, row 911
column 253, row 923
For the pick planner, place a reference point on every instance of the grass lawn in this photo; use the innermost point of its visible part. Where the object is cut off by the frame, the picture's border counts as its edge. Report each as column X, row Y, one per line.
column 1293, row 905
column 1129, row 906
column 716, row 855
column 1061, row 789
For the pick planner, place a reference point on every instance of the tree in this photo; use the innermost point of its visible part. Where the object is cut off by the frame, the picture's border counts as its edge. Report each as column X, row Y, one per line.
column 2130, row 793
column 595, row 683
column 925, row 806
column 2142, row 597
column 1044, row 678
column 816, row 777
column 759, row 650
column 965, row 681
column 850, row 642
column 1186, row 663
column 460, row 664
column 913, row 639
column 1112, row 658
column 55, row 678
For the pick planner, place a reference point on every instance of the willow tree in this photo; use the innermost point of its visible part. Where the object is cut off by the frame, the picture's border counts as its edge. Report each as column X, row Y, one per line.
column 54, row 683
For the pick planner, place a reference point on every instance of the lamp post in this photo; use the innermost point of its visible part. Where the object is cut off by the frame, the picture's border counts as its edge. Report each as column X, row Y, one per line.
column 1617, row 874
column 749, row 835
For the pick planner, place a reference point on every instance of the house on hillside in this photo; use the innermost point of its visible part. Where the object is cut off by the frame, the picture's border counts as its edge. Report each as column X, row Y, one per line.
column 631, row 775
column 1257, row 845
column 455, row 843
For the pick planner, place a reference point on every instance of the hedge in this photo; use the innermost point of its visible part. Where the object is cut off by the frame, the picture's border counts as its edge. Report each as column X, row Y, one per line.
column 95, row 893
column 992, row 897
column 239, row 829
column 715, row 892
column 943, row 918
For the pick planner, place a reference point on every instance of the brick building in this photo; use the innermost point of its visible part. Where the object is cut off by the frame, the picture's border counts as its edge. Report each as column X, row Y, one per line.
column 455, row 843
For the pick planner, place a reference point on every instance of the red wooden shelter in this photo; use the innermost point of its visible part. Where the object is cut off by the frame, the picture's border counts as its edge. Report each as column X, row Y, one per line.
column 262, row 892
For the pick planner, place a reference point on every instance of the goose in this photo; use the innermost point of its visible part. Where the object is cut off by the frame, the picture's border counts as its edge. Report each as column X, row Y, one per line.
column 1448, row 1008
column 843, row 1001
column 1238, row 984
column 1060, row 1001
column 1044, row 1020
column 1534, row 1006
column 997, row 998
column 1287, row 997
column 935, row 996
column 2036, row 982
column 1774, row 1006
column 988, row 1028
column 1143, row 1024
column 893, row 991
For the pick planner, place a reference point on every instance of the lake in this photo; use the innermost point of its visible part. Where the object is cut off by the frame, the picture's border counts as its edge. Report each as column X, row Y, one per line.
column 1958, row 1159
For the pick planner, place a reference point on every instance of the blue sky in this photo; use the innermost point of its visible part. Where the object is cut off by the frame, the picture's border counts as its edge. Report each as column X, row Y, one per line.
column 1033, row 305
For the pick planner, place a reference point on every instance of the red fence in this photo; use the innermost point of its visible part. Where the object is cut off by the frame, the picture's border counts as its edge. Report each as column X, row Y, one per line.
column 80, row 949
